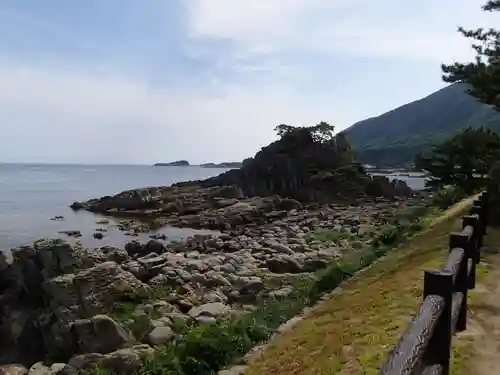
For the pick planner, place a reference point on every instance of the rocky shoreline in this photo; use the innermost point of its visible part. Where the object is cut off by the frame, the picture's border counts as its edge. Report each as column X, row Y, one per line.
column 284, row 219
column 74, row 308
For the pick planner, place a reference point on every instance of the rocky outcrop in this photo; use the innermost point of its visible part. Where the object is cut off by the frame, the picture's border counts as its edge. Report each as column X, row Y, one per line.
column 50, row 303
column 111, row 306
column 299, row 169
column 310, row 169
column 178, row 163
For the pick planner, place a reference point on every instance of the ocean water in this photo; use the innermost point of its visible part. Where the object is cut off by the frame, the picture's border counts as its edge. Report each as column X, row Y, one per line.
column 31, row 194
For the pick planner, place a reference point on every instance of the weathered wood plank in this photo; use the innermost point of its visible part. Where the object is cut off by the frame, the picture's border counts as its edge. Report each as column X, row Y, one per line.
column 433, row 370
column 453, row 261
column 411, row 347
column 455, row 308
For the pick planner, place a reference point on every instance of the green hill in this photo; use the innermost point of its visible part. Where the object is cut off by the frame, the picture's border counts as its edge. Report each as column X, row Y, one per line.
column 393, row 138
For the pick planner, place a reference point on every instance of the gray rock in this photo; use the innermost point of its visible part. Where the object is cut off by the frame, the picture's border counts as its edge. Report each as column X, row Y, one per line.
column 283, row 264
column 100, row 286
column 281, row 293
column 134, row 247
column 98, row 235
column 128, row 360
column 100, row 334
column 55, row 369
column 252, row 286
column 203, row 319
column 154, row 246
column 56, row 257
column 160, row 335
column 312, row 265
column 13, row 370
column 114, row 254
column 213, row 309
column 235, row 370
column 123, row 361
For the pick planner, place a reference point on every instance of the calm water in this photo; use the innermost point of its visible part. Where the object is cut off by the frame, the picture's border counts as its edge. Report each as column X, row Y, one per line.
column 32, row 194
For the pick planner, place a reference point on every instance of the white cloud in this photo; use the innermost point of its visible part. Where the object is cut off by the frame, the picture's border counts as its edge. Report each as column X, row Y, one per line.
column 67, row 109
column 58, row 113
column 425, row 30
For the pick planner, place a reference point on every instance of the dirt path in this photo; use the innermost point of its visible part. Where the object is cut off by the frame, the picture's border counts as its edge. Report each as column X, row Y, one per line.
column 484, row 325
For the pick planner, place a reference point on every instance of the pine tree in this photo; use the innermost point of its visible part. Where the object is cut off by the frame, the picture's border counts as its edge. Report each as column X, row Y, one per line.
column 463, row 160
column 483, row 74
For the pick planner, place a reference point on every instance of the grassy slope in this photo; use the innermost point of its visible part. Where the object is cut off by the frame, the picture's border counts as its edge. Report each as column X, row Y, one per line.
column 351, row 332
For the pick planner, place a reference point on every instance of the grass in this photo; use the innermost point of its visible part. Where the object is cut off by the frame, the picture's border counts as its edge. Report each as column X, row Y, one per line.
column 352, row 331
column 329, row 235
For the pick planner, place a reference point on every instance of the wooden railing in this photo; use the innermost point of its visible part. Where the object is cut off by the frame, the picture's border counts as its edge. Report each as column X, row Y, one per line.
column 425, row 347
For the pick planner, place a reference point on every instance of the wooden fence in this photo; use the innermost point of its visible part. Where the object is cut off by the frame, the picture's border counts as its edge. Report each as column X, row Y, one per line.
column 425, row 347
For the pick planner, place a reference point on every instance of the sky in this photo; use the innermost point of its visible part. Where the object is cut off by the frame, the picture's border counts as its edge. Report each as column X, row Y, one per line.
column 145, row 81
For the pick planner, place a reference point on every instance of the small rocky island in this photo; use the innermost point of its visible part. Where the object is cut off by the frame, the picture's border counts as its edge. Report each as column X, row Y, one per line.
column 185, row 163
column 178, row 163
column 65, row 309
column 229, row 164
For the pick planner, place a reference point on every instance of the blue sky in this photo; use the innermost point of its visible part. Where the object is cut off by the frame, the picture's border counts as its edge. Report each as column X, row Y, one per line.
column 129, row 81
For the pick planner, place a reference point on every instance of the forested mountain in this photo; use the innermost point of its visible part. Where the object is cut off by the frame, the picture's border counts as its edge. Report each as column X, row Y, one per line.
column 393, row 138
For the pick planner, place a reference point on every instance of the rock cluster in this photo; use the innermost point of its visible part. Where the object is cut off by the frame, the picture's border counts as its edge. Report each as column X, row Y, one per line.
column 110, row 306
column 298, row 169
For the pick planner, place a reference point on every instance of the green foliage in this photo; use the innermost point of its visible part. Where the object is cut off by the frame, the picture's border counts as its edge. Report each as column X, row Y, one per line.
column 462, row 160
column 483, row 74
column 319, row 133
column 394, row 138
column 447, row 196
column 329, row 235
column 388, row 235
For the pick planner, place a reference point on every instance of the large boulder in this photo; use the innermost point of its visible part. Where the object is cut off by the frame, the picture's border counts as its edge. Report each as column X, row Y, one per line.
column 145, row 198
column 56, row 257
column 95, row 290
column 13, row 370
column 99, row 334
column 125, row 361
column 283, row 264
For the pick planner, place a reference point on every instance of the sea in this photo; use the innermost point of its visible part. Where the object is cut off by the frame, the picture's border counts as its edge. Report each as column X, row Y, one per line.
column 32, row 194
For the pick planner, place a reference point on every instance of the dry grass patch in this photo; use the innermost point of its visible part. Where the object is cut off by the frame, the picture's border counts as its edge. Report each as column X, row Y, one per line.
column 351, row 332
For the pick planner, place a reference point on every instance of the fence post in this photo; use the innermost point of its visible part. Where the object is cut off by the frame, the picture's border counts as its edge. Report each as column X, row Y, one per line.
column 461, row 241
column 485, row 206
column 472, row 249
column 439, row 349
column 478, row 210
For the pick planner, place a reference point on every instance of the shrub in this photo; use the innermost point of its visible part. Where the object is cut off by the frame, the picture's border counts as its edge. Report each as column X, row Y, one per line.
column 447, row 196
column 329, row 235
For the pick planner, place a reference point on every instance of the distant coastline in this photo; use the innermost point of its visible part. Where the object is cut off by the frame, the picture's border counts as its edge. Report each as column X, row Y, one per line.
column 185, row 163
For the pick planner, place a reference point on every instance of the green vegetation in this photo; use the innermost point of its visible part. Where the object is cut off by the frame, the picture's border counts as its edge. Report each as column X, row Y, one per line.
column 206, row 349
column 482, row 75
column 463, row 160
column 394, row 138
column 330, row 235
column 320, row 132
